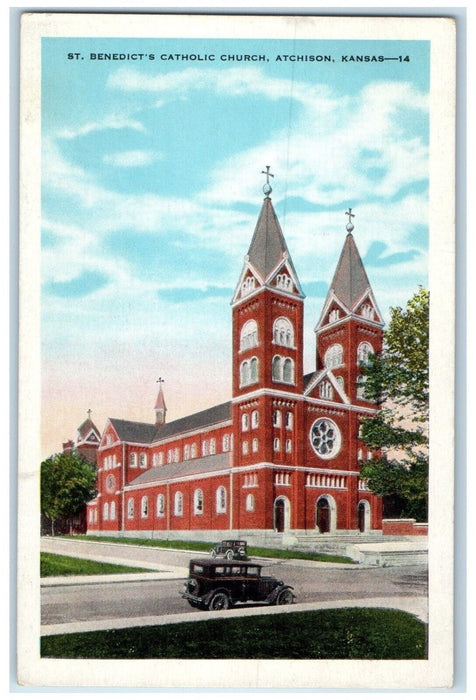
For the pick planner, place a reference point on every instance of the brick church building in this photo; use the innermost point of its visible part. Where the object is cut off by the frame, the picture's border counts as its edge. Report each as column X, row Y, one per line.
column 284, row 454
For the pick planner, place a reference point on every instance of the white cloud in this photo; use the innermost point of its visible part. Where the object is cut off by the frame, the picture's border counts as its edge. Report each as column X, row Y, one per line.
column 115, row 122
column 131, row 159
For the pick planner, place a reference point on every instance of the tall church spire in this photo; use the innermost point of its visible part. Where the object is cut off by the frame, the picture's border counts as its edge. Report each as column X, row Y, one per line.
column 350, row 286
column 160, row 408
column 268, row 254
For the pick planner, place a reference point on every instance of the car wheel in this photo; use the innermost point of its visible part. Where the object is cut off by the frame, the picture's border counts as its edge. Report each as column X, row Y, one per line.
column 284, row 597
column 229, row 554
column 219, row 601
column 213, row 553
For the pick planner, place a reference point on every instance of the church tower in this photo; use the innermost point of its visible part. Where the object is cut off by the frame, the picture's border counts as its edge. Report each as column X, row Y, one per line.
column 350, row 326
column 267, row 350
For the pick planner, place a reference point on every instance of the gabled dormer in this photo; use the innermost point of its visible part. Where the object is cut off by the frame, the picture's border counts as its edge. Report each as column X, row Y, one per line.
column 327, row 386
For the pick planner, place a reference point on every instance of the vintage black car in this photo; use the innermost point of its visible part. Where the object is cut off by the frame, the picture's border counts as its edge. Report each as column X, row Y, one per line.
column 218, row 585
column 230, row 549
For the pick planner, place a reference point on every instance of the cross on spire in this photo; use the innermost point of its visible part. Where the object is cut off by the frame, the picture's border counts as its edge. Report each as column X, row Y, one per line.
column 89, row 413
column 350, row 225
column 160, row 380
column 267, row 189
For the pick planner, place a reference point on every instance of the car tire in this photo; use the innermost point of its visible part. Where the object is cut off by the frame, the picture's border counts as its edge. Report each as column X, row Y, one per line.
column 229, row 554
column 284, row 597
column 213, row 553
column 219, row 601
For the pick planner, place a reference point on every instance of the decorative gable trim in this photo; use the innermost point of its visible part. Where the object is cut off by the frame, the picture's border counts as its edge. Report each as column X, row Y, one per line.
column 331, row 299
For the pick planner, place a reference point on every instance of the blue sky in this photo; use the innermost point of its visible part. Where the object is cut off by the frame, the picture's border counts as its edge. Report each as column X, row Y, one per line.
column 152, row 184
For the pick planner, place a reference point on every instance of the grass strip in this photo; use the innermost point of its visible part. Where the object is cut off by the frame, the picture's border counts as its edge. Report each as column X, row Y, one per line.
column 349, row 633
column 60, row 565
column 206, row 546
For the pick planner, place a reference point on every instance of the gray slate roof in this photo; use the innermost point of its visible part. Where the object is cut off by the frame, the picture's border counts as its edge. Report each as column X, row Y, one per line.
column 267, row 246
column 177, row 470
column 350, row 280
column 147, row 433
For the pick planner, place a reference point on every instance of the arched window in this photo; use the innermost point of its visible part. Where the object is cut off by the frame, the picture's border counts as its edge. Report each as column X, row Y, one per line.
column 289, row 420
column 133, row 459
column 363, row 352
column 247, row 286
column 143, row 460
column 276, row 368
column 289, row 446
column 334, row 356
column 112, row 512
column 186, row 452
column 367, row 311
column 284, row 282
column 105, row 511
column 130, row 508
column 178, row 503
column 334, row 315
column 276, row 445
column 244, row 373
column 249, row 335
column 325, row 390
column 244, row 422
column 226, row 443
column 221, row 500
column 283, row 332
column 160, row 505
column 283, row 370
column 250, row 502
column 288, row 371
column 213, row 446
column 253, row 370
column 277, row 418
column 254, row 445
column 194, row 450
column 361, row 386
column 244, row 447
column 254, row 419
column 144, row 507
column 198, row 502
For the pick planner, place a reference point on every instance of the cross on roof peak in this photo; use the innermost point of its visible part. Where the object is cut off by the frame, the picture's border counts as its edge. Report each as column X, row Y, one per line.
column 350, row 225
column 267, row 189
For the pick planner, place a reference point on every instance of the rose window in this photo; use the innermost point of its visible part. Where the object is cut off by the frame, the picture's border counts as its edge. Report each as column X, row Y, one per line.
column 325, row 438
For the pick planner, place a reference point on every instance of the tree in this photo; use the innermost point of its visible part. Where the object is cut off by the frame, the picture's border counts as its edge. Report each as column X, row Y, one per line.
column 397, row 380
column 68, row 482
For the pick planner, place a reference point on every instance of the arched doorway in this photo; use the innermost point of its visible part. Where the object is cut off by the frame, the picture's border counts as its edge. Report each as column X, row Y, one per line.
column 326, row 514
column 323, row 515
column 282, row 513
column 363, row 516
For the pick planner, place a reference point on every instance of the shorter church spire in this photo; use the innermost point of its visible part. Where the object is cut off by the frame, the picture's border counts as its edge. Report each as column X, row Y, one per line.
column 160, row 408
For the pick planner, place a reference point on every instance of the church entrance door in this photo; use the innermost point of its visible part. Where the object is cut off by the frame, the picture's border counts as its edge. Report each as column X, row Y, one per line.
column 323, row 519
column 361, row 517
column 279, row 521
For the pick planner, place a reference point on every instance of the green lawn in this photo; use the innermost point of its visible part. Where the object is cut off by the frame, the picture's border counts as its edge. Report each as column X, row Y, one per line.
column 59, row 565
column 349, row 633
column 206, row 546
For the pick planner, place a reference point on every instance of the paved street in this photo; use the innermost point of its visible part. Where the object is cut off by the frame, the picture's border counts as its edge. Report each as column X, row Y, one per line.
column 155, row 596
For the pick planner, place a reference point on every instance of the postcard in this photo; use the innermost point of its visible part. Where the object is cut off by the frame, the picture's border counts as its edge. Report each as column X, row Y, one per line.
column 236, row 352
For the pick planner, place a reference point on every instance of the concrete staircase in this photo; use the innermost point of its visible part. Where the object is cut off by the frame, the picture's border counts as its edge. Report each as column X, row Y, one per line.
column 370, row 549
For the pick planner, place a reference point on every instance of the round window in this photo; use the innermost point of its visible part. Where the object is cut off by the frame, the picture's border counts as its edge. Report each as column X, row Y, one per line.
column 110, row 483
column 325, row 438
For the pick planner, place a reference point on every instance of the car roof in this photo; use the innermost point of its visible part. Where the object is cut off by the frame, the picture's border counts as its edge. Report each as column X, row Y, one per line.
column 223, row 562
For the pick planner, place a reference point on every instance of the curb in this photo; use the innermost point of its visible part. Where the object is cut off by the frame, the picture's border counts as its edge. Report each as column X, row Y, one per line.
column 417, row 606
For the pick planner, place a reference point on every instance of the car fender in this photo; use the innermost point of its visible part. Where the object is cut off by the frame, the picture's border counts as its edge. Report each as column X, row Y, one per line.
column 274, row 594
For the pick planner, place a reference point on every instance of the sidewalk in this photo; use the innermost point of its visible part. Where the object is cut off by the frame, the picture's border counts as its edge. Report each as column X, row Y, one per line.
column 413, row 605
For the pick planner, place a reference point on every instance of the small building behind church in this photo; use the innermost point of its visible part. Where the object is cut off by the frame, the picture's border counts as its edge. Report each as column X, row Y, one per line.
column 282, row 457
